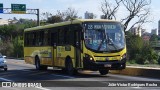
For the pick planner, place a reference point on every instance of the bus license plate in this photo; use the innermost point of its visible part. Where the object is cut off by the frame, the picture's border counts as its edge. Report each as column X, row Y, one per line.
column 107, row 65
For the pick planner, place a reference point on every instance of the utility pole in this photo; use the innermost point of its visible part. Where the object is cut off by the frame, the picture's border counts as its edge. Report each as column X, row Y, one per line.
column 38, row 21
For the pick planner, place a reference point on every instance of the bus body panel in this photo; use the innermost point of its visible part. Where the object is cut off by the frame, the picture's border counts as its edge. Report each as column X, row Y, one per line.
column 43, row 53
column 62, row 53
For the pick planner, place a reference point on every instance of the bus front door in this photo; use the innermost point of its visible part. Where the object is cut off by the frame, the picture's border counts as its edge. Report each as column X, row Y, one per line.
column 78, row 49
column 54, row 44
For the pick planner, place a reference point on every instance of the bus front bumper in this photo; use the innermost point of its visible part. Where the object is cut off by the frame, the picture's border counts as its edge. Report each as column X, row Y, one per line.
column 110, row 65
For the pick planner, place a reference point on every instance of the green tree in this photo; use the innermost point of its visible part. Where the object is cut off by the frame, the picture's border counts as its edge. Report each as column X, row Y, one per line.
column 154, row 37
column 134, row 46
column 8, row 37
column 54, row 19
column 139, row 51
column 68, row 14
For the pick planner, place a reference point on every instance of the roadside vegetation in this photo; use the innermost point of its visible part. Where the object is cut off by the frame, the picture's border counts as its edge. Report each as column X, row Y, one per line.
column 141, row 52
column 11, row 37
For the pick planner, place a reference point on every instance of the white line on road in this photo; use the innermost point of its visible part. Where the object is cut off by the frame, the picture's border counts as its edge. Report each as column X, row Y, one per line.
column 136, row 87
column 63, row 76
column 42, row 88
column 5, row 79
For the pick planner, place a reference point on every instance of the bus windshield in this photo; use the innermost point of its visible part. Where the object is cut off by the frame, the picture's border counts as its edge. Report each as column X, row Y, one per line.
column 106, row 37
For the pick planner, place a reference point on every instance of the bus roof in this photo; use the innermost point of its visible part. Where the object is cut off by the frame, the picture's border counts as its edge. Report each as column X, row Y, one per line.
column 67, row 23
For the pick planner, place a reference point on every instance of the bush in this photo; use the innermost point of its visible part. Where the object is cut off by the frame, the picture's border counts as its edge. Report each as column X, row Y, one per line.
column 141, row 51
column 131, row 62
column 11, row 49
column 147, row 56
column 6, row 48
column 159, row 60
column 18, row 49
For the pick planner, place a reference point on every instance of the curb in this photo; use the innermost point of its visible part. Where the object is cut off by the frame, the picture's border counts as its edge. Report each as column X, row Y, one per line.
column 133, row 71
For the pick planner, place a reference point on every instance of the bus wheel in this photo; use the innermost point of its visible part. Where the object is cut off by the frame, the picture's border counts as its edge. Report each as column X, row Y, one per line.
column 37, row 64
column 5, row 69
column 103, row 71
column 69, row 67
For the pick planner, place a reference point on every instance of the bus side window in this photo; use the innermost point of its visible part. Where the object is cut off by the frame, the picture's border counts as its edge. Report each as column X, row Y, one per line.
column 41, row 38
column 34, row 38
column 46, row 37
column 37, row 38
column 30, row 38
column 66, row 35
column 61, row 36
column 26, row 39
column 53, row 32
column 70, row 37
column 54, row 38
column 49, row 38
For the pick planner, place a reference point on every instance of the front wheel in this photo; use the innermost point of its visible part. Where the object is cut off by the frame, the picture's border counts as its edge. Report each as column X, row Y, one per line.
column 5, row 69
column 103, row 71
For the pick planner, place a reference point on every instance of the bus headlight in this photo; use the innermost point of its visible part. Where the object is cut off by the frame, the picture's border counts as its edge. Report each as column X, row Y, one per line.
column 4, row 61
column 89, row 57
column 123, row 57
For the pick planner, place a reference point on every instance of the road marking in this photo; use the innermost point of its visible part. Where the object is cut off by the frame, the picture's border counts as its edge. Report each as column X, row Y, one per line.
column 29, row 70
column 42, row 88
column 63, row 76
column 6, row 79
column 26, row 70
column 8, row 75
column 136, row 87
column 38, row 73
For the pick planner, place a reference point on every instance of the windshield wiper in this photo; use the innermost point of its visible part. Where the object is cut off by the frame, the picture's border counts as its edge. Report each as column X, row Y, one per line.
column 109, row 42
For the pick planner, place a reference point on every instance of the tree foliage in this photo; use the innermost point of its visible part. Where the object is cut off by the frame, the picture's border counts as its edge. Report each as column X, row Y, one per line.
column 8, row 37
column 154, row 38
column 140, row 52
column 137, row 10
column 68, row 14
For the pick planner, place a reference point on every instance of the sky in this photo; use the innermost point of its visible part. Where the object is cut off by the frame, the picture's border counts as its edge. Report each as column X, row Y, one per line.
column 81, row 6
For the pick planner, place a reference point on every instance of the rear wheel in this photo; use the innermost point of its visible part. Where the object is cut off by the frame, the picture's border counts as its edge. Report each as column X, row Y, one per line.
column 38, row 66
column 69, row 68
column 103, row 71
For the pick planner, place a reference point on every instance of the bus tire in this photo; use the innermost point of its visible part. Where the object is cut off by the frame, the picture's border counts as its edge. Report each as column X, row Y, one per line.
column 5, row 69
column 103, row 71
column 37, row 63
column 69, row 67
column 38, row 66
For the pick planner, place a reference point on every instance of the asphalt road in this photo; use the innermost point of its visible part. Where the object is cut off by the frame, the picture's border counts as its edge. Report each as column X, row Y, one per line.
column 19, row 72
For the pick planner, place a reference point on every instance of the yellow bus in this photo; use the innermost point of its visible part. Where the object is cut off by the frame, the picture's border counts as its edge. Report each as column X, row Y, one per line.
column 82, row 44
